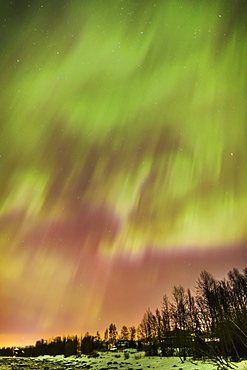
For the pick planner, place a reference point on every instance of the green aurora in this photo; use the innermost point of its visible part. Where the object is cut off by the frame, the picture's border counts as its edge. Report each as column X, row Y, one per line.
column 132, row 110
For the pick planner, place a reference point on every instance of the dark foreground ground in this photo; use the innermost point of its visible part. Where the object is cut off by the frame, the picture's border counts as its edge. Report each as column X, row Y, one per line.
column 108, row 361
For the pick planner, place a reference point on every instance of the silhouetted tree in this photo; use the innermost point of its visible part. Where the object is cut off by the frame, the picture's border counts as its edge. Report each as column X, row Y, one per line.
column 113, row 334
column 132, row 333
column 71, row 346
column 166, row 316
column 193, row 319
column 180, row 317
column 216, row 299
column 124, row 334
column 132, row 336
column 213, row 324
column 87, row 344
column 98, row 337
column 179, row 309
column 6, row 351
column 238, row 311
column 105, row 343
column 106, row 335
column 148, row 331
column 140, row 333
column 41, row 347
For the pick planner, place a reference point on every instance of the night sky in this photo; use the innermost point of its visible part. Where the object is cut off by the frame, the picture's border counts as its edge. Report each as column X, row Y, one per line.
column 123, row 158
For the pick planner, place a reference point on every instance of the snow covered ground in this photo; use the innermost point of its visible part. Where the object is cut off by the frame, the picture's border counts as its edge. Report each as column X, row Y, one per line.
column 107, row 361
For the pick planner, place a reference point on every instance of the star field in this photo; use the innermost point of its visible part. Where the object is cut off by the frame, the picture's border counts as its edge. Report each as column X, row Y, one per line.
column 123, row 157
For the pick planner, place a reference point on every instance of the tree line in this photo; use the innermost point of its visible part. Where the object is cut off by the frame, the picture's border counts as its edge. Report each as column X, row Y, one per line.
column 211, row 323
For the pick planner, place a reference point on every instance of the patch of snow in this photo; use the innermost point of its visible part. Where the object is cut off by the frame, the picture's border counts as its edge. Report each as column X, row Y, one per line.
column 111, row 360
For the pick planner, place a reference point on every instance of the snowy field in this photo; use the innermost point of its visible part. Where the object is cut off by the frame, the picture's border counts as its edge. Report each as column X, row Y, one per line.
column 107, row 361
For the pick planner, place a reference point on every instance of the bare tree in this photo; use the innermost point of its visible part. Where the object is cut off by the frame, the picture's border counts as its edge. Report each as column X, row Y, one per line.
column 179, row 308
column 106, row 335
column 149, row 332
column 193, row 315
column 159, row 324
column 132, row 333
column 124, row 333
column 165, row 311
column 113, row 334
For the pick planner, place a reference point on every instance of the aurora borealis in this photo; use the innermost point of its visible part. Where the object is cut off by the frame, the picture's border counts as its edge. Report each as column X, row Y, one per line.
column 123, row 157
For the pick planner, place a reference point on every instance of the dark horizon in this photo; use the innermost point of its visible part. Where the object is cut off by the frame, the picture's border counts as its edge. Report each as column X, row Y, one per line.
column 170, row 298
column 208, row 325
